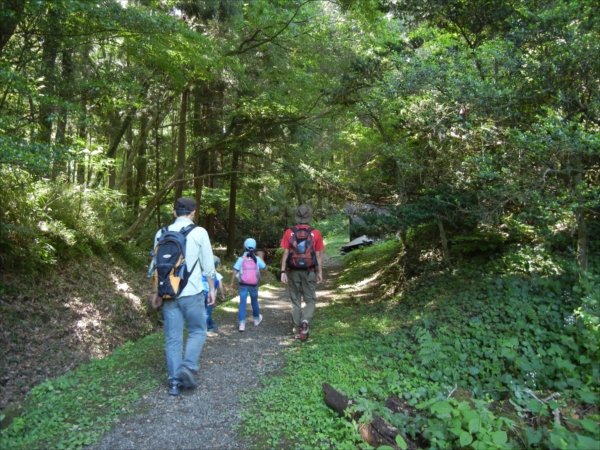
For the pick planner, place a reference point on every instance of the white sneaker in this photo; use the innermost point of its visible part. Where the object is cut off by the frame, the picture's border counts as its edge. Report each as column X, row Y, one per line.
column 257, row 320
column 242, row 326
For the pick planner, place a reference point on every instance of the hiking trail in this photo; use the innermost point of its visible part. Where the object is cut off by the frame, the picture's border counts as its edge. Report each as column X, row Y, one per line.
column 230, row 364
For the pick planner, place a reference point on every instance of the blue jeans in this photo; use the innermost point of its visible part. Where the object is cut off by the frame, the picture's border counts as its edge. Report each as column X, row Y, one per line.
column 244, row 290
column 191, row 309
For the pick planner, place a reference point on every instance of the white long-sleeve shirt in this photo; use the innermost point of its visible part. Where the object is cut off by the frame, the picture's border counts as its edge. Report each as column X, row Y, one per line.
column 197, row 249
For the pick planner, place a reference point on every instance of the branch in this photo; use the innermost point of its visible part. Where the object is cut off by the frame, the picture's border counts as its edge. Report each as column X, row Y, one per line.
column 258, row 43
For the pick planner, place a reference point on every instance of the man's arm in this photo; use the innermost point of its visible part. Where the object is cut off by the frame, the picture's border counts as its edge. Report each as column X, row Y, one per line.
column 210, row 300
column 319, row 267
column 284, row 258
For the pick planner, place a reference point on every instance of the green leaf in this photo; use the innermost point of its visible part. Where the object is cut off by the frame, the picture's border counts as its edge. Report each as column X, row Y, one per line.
column 535, row 406
column 588, row 424
column 587, row 397
column 474, row 425
column 587, row 442
column 499, row 438
column 533, row 437
column 385, row 447
column 456, row 430
column 465, row 439
column 473, row 370
column 400, row 442
column 442, row 408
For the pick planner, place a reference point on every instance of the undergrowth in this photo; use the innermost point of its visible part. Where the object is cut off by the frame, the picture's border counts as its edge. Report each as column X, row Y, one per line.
column 75, row 409
column 483, row 357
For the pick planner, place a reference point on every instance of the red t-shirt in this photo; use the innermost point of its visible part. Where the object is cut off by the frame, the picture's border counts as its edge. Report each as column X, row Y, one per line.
column 316, row 235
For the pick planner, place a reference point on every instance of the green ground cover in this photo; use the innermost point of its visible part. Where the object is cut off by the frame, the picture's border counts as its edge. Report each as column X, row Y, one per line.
column 76, row 409
column 485, row 357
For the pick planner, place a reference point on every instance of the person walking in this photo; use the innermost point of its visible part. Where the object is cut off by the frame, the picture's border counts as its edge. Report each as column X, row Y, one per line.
column 218, row 284
column 302, row 268
column 188, row 306
column 248, row 267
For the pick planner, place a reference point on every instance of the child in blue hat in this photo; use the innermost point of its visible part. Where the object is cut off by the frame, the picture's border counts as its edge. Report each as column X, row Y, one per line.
column 247, row 271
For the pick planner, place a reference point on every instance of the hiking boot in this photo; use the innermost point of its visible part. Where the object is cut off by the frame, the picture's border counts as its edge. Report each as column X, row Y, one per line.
column 303, row 331
column 212, row 327
column 257, row 320
column 242, row 326
column 187, row 378
column 174, row 388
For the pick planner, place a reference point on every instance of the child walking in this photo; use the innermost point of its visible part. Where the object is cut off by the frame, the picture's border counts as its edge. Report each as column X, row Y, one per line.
column 218, row 282
column 248, row 267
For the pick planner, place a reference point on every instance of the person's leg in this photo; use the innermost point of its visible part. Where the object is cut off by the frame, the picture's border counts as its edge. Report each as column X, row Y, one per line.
column 295, row 289
column 243, row 290
column 173, row 320
column 253, row 291
column 209, row 321
column 195, row 322
column 309, row 288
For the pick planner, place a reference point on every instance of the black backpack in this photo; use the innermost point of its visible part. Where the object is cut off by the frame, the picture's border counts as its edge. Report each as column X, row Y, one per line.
column 170, row 270
column 302, row 250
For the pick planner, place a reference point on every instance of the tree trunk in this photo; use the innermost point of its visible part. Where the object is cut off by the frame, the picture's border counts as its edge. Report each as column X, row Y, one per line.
column 82, row 133
column 197, row 130
column 60, row 164
column 157, row 176
column 50, row 49
column 129, row 181
column 140, row 165
column 445, row 250
column 181, row 138
column 232, row 203
column 583, row 238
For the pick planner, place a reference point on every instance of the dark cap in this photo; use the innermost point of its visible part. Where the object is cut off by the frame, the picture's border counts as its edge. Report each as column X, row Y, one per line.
column 185, row 204
column 303, row 214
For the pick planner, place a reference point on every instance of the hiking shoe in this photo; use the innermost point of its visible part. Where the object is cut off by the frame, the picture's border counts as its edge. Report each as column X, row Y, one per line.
column 187, row 378
column 242, row 326
column 212, row 327
column 257, row 320
column 303, row 331
column 174, row 388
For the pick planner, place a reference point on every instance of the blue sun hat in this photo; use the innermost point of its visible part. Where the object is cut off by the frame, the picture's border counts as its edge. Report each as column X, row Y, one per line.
column 250, row 244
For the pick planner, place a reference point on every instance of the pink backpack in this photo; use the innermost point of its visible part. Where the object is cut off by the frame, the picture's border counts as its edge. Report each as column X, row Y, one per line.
column 249, row 271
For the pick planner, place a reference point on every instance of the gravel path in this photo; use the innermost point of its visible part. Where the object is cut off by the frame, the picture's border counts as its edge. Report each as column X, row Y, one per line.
column 230, row 363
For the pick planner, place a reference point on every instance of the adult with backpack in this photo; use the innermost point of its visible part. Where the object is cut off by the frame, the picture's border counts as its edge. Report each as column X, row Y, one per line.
column 182, row 254
column 302, row 268
column 247, row 271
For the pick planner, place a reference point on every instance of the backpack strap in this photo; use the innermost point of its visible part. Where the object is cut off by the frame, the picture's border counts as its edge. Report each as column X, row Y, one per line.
column 294, row 230
column 186, row 230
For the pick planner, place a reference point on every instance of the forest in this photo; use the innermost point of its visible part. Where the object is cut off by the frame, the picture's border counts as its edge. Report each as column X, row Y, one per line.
column 461, row 136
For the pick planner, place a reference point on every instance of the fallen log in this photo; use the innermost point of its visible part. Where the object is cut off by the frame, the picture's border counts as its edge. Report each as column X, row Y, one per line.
column 337, row 401
column 375, row 433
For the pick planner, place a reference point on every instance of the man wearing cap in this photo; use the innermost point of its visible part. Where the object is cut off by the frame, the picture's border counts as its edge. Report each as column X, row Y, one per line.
column 302, row 282
column 189, row 306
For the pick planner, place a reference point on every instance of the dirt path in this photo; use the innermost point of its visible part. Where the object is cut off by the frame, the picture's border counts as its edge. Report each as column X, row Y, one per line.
column 231, row 363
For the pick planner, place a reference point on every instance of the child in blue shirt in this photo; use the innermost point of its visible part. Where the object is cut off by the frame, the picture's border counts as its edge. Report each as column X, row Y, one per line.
column 248, row 267
column 210, row 323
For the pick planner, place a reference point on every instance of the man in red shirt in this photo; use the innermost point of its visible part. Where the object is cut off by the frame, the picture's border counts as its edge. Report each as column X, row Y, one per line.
column 302, row 274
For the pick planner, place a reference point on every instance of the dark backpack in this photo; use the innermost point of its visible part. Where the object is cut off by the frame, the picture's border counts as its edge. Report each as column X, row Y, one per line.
column 302, row 250
column 170, row 269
